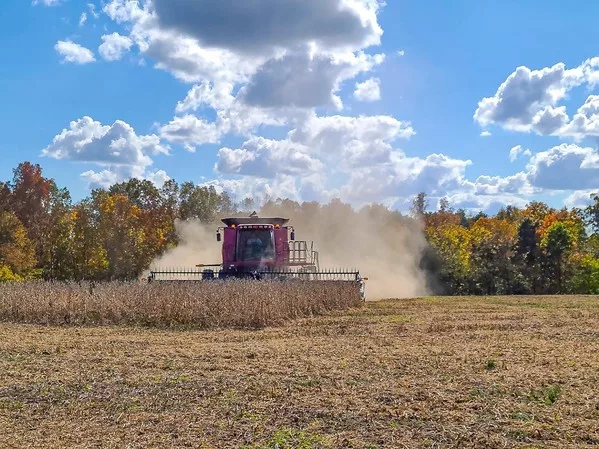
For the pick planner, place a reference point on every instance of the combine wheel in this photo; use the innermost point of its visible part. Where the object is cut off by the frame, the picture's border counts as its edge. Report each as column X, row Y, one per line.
column 207, row 275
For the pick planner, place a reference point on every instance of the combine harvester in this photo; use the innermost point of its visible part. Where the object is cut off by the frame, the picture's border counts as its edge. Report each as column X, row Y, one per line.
column 261, row 249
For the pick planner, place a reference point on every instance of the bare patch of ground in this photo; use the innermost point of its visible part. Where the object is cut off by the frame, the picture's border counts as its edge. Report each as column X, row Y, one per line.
column 435, row 372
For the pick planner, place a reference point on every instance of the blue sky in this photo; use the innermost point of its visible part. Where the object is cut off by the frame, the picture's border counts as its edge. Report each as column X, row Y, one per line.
column 274, row 106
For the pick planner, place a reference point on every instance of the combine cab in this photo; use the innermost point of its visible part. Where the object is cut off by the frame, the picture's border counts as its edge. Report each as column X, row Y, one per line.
column 261, row 248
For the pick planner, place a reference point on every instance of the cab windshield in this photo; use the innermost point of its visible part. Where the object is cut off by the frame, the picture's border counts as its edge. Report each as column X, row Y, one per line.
column 256, row 245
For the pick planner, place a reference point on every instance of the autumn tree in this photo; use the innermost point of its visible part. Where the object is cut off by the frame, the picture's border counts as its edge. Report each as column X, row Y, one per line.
column 17, row 253
column 452, row 248
column 89, row 258
column 122, row 234
column 492, row 242
column 41, row 207
column 5, row 196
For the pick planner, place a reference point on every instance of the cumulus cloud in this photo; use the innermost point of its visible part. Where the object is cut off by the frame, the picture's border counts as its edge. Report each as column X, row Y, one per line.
column 267, row 26
column 527, row 101
column 518, row 151
column 267, row 158
column 216, row 96
column 328, row 134
column 374, row 170
column 82, row 19
column 280, row 60
column 517, row 184
column 233, row 115
column 116, row 147
column 115, row 174
column 586, row 120
column 190, row 131
column 259, row 189
column 74, row 53
column 299, row 79
column 581, row 198
column 158, row 178
column 261, row 66
column 114, row 46
column 175, row 52
column 565, row 167
column 404, row 177
column 369, row 90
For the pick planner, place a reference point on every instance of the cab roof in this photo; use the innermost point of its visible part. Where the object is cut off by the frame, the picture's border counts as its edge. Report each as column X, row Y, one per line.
column 255, row 221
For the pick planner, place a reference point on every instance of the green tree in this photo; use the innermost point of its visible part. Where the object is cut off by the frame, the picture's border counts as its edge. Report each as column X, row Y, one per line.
column 200, row 203
column 585, row 275
column 557, row 243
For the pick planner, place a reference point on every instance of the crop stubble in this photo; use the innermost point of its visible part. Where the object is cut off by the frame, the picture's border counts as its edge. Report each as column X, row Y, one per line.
column 436, row 372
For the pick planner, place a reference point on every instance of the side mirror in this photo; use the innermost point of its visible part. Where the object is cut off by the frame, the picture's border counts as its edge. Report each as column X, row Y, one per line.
column 292, row 235
column 218, row 238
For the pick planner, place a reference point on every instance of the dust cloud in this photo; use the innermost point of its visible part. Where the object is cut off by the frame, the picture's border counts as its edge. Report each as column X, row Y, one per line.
column 197, row 245
column 385, row 247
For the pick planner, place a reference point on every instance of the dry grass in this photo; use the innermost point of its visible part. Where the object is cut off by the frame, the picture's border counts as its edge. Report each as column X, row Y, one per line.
column 204, row 305
column 426, row 373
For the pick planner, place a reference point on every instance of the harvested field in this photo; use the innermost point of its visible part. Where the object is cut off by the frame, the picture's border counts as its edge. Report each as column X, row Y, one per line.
column 434, row 373
column 201, row 305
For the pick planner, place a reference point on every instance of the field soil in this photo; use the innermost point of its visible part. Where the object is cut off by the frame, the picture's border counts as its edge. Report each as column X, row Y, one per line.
column 434, row 373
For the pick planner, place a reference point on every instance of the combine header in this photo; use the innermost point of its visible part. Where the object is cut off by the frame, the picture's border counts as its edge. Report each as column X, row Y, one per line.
column 261, row 249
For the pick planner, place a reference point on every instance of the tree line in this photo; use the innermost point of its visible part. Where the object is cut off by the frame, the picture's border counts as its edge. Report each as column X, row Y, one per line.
column 115, row 233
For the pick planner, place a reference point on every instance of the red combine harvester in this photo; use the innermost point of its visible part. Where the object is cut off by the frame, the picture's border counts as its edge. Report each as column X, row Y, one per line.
column 260, row 249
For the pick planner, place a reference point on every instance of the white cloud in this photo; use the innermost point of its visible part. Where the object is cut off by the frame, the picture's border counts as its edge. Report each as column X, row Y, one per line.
column 528, row 100
column 301, row 80
column 82, row 19
column 92, row 10
column 175, row 52
column 115, row 174
column 517, row 184
column 259, row 189
column 401, row 53
column 517, row 151
column 261, row 67
column 190, row 131
column 232, row 114
column 490, row 204
column 75, row 53
column 46, row 2
column 369, row 90
column 586, row 120
column 267, row 158
column 331, row 134
column 404, row 177
column 216, row 96
column 581, row 198
column 565, row 167
column 114, row 46
column 158, row 178
column 116, row 147
column 301, row 64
